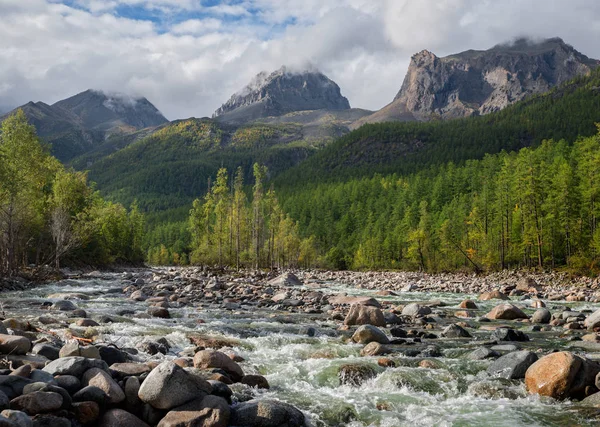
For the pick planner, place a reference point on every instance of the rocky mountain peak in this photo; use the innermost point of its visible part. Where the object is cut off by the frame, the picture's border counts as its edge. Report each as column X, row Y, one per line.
column 283, row 91
column 477, row 82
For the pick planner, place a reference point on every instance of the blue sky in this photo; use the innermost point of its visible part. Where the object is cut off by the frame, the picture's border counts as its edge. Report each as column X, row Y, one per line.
column 189, row 56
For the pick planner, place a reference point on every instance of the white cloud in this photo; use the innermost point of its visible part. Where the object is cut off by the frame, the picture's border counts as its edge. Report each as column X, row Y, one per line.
column 188, row 68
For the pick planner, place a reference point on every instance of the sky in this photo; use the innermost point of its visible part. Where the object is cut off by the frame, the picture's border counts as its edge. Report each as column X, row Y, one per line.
column 189, row 56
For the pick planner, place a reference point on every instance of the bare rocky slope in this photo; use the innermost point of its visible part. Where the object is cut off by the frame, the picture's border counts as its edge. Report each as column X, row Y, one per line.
column 479, row 82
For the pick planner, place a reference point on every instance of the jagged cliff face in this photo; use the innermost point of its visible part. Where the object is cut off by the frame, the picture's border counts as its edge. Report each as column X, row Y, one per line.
column 479, row 82
column 282, row 92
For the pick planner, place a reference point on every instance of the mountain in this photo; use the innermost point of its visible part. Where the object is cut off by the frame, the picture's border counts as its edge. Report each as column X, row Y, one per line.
column 478, row 82
column 283, row 91
column 81, row 123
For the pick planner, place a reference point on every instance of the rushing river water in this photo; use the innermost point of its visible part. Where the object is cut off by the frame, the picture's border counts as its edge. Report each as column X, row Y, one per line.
column 303, row 370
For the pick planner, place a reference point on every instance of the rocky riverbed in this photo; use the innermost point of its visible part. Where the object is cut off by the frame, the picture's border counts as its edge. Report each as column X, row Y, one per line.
column 192, row 347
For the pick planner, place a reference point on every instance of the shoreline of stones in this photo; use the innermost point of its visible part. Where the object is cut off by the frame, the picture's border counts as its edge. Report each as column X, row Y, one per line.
column 49, row 382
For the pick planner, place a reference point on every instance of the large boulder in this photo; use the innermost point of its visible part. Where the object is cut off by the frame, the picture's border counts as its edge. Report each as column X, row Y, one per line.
column 486, row 296
column 169, row 386
column 364, row 315
column 354, row 374
column 75, row 366
column 416, row 310
column 553, row 375
column 541, row 315
column 506, row 312
column 512, row 366
column 593, row 320
column 209, row 411
column 37, row 402
column 207, row 359
column 285, row 279
column 120, row 418
column 369, row 333
column 14, row 344
column 266, row 413
column 101, row 379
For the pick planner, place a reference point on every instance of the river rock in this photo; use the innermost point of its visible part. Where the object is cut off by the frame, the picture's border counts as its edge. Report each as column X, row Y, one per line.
column 483, row 353
column 73, row 348
column 257, row 381
column 486, row 296
column 266, row 413
column 508, row 334
column 541, row 315
column 512, row 366
column 86, row 412
column 37, row 402
column 13, row 385
column 369, row 333
column 553, row 375
column 122, row 370
column 354, row 374
column 69, row 382
column 286, row 279
column 468, row 304
column 120, row 418
column 593, row 320
column 209, row 411
column 18, row 418
column 169, row 386
column 415, row 310
column 47, row 350
column 455, row 331
column 34, row 387
column 506, row 312
column 14, row 344
column 374, row 349
column 64, row 305
column 349, row 300
column 364, row 315
column 160, row 312
column 207, row 359
column 101, row 379
column 75, row 366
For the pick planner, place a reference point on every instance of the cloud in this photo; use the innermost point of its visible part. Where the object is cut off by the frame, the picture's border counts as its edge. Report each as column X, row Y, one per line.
column 188, row 57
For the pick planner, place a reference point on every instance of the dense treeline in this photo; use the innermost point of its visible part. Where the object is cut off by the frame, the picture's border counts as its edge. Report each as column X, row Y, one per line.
column 228, row 229
column 49, row 214
column 538, row 207
column 566, row 112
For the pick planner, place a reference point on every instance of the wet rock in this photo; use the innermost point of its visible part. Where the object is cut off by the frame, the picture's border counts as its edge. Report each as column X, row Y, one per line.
column 47, row 350
column 354, row 374
column 483, row 353
column 431, row 351
column 266, row 413
column 286, row 279
column 207, row 359
column 455, row 331
column 169, row 386
column 486, row 296
column 91, row 393
column 222, row 390
column 374, row 349
column 468, row 304
column 541, row 315
column 37, row 402
column 111, row 355
column 87, row 323
column 101, row 379
column 348, row 300
column 120, row 418
column 14, row 344
column 257, row 381
column 18, row 418
column 506, row 312
column 513, row 365
column 64, row 305
column 152, row 347
column 416, row 310
column 398, row 333
column 364, row 315
column 508, row 334
column 75, row 366
column 369, row 333
column 209, row 411
column 495, row 388
column 553, row 375
column 160, row 312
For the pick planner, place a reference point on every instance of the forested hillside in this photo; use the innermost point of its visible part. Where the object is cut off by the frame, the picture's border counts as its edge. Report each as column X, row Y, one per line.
column 565, row 112
column 49, row 214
